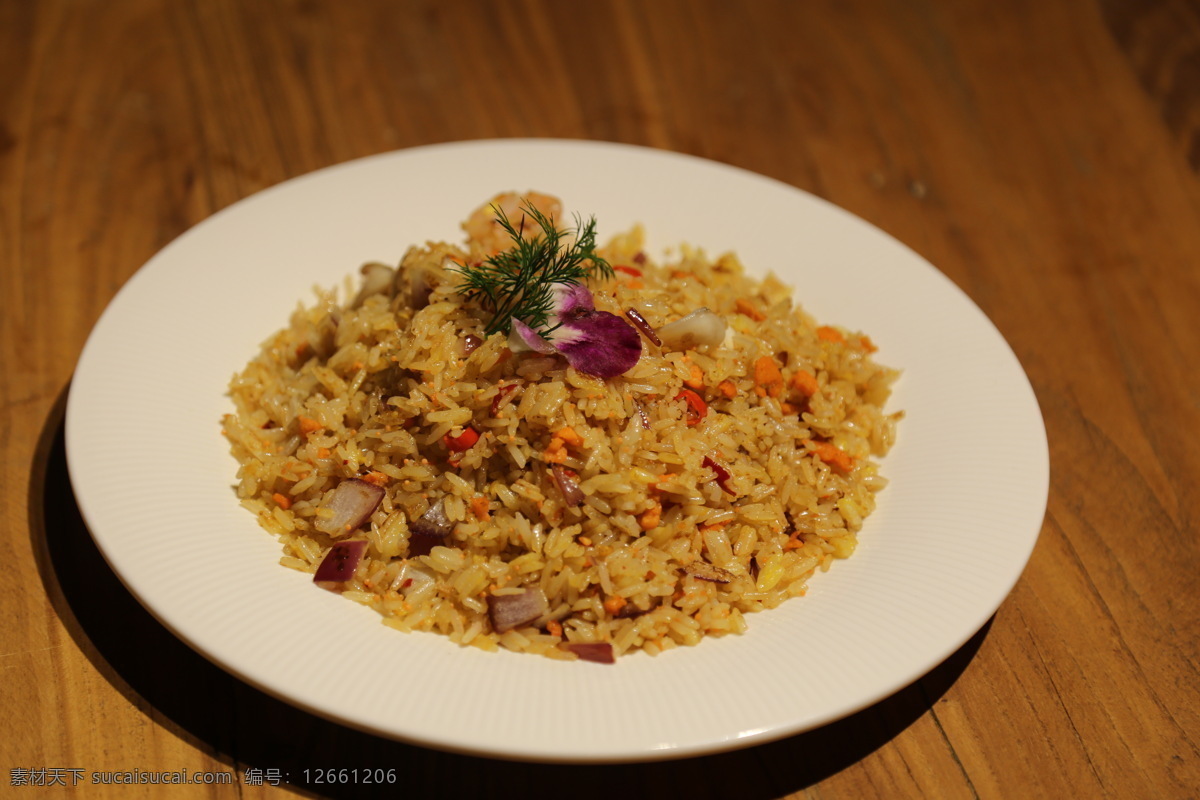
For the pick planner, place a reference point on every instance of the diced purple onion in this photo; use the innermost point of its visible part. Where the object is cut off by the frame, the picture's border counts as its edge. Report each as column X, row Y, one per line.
column 509, row 611
column 565, row 480
column 353, row 502
column 339, row 564
column 376, row 278
column 470, row 343
column 422, row 544
column 600, row 652
column 419, row 287
column 429, row 530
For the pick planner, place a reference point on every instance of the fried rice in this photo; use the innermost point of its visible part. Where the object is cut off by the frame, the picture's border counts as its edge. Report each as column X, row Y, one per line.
column 514, row 501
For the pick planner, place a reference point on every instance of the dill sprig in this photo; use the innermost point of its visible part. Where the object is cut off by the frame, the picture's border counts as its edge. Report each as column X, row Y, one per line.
column 520, row 282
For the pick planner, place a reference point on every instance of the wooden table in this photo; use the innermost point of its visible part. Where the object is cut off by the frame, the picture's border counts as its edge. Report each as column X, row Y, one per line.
column 1044, row 155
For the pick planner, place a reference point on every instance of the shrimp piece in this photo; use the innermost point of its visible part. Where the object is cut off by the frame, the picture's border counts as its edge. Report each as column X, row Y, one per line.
column 484, row 233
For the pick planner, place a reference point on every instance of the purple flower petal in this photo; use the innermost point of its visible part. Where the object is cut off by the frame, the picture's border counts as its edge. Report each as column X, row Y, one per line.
column 524, row 337
column 598, row 343
column 594, row 342
column 571, row 298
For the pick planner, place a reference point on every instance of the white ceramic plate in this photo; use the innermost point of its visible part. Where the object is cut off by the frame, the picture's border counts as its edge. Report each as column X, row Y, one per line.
column 152, row 473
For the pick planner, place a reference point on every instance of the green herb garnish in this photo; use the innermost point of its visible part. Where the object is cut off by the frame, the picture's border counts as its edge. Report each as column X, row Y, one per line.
column 520, row 282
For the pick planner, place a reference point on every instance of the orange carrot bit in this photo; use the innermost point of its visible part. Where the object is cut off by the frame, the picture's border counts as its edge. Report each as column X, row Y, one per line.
column 463, row 442
column 680, row 274
column 768, row 377
column 747, row 308
column 555, row 452
column 789, row 408
column 377, row 478
column 651, row 517
column 827, row 334
column 695, row 378
column 832, row 455
column 794, row 542
column 583, row 540
column 727, row 389
column 554, row 628
column 322, row 452
column 568, row 435
column 281, row 501
column 696, row 407
column 635, row 284
column 634, row 271
column 805, row 382
column 865, row 343
column 614, row 603
column 479, row 507
column 308, row 425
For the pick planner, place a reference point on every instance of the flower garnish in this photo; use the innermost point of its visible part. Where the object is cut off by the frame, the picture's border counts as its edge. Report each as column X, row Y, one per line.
column 536, row 295
column 520, row 282
column 595, row 342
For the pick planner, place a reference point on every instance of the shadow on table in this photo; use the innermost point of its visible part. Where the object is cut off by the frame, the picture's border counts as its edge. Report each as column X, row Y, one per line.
column 243, row 727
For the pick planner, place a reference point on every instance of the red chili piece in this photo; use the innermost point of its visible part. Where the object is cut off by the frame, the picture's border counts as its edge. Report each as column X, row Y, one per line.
column 463, row 442
column 696, row 407
column 723, row 475
column 501, row 393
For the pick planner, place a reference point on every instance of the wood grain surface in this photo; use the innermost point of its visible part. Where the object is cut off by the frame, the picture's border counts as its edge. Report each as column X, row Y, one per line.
column 1044, row 155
